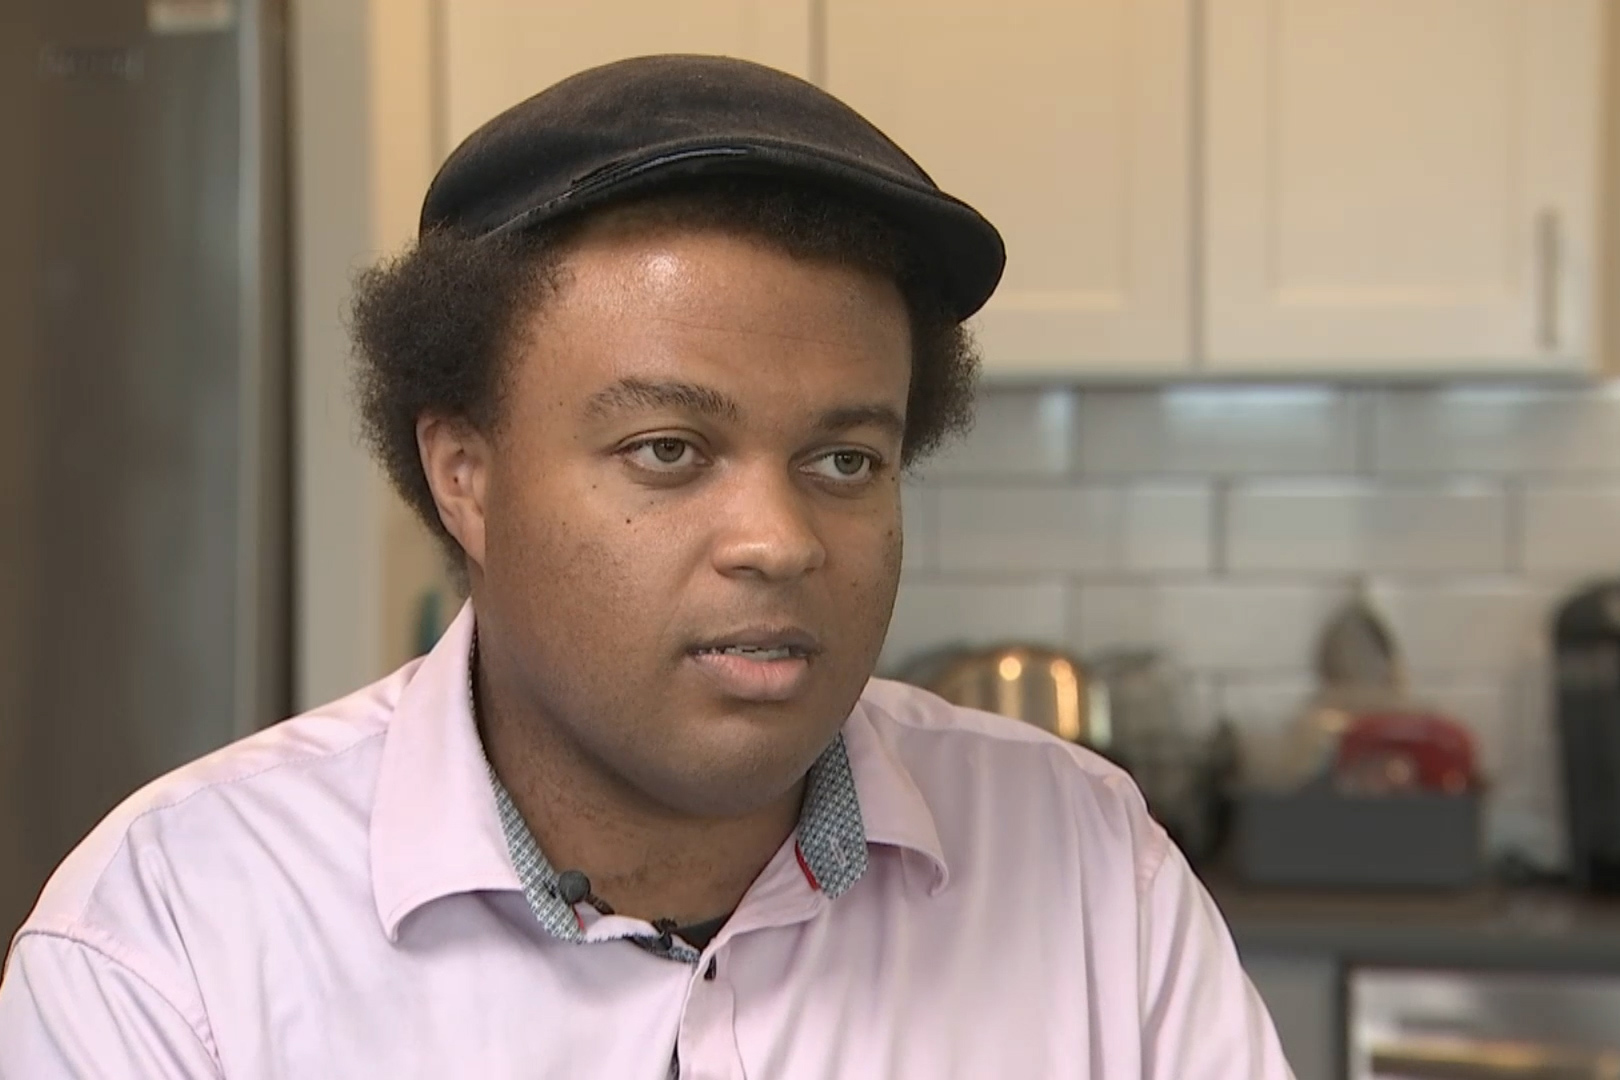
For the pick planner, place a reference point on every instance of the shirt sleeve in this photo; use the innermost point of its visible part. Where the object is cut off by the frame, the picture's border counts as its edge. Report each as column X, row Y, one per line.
column 69, row 1011
column 1202, row 1017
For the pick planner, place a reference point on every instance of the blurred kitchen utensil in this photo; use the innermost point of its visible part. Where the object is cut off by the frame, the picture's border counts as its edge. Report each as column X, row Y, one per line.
column 1358, row 670
column 1140, row 699
column 1131, row 706
column 1038, row 685
column 1357, row 650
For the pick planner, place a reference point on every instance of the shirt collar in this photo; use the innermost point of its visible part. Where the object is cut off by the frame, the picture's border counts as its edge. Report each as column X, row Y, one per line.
column 830, row 839
column 435, row 830
column 441, row 824
column 895, row 812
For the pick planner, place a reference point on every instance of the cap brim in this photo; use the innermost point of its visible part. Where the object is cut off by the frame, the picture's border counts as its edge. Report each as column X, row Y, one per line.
column 960, row 247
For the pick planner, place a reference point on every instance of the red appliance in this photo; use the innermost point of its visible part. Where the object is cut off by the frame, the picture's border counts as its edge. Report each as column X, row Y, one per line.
column 1406, row 751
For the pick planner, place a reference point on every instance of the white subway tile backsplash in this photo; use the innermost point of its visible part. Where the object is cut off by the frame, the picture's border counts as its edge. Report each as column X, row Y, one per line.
column 930, row 614
column 1527, row 814
column 1219, row 524
column 1264, row 705
column 1016, row 432
column 1497, row 430
column 1485, row 707
column 1533, row 831
column 1531, row 735
column 1491, row 628
column 1572, row 530
column 1359, row 526
column 1215, row 430
column 1077, row 529
column 1220, row 625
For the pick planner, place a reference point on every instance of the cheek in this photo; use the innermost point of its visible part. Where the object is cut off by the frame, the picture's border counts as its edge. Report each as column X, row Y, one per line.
column 542, row 548
column 886, row 559
column 523, row 538
column 566, row 554
column 871, row 560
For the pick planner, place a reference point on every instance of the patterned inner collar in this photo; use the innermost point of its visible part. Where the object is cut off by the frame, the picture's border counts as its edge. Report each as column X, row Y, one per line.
column 831, row 837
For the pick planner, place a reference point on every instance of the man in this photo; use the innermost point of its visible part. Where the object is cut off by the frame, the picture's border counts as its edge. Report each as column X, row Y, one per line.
column 671, row 331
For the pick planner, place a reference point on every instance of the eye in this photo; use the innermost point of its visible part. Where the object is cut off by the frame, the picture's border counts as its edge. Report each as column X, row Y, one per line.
column 668, row 451
column 845, row 466
column 662, row 453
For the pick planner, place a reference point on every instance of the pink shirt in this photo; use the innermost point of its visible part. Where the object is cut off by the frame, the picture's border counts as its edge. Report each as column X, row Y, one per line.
column 334, row 897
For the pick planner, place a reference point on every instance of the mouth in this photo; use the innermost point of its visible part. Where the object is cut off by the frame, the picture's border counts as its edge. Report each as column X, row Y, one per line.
column 763, row 643
column 758, row 664
column 753, row 652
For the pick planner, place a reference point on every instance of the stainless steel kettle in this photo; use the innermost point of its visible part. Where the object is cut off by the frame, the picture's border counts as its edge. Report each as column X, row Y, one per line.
column 1038, row 685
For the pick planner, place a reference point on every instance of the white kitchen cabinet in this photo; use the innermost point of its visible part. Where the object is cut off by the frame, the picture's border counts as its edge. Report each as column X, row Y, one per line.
column 1066, row 122
column 1399, row 186
column 498, row 52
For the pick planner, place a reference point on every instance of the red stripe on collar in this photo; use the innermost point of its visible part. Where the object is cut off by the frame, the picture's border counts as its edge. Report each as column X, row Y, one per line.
column 809, row 875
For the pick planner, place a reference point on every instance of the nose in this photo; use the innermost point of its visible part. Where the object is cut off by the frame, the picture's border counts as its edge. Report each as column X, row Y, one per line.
column 766, row 528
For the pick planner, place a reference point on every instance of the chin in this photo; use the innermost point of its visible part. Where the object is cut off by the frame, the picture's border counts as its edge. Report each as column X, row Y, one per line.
column 736, row 773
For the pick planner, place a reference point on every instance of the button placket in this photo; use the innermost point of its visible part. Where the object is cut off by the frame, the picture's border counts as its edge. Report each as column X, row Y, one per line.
column 707, row 1044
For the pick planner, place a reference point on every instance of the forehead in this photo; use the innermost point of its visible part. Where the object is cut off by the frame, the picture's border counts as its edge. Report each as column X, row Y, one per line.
column 633, row 297
column 658, row 254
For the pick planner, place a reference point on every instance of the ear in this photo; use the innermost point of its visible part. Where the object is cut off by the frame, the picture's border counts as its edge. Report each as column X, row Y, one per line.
column 456, row 457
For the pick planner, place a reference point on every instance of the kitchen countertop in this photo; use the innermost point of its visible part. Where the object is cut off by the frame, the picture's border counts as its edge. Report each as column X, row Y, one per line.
column 1490, row 926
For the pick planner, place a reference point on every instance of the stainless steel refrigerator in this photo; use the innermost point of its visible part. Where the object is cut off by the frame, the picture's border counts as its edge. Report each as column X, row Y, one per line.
column 143, row 404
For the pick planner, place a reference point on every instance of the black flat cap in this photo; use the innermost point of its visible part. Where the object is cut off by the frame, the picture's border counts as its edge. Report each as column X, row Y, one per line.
column 629, row 127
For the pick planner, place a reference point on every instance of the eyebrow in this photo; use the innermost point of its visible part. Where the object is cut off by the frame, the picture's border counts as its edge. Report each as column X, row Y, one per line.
column 631, row 394
column 853, row 416
column 628, row 395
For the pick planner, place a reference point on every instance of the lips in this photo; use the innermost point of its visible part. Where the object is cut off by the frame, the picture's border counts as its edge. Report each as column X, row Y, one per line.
column 763, row 638
column 757, row 663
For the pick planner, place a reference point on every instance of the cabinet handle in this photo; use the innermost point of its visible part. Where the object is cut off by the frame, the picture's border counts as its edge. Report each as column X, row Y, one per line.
column 1549, row 254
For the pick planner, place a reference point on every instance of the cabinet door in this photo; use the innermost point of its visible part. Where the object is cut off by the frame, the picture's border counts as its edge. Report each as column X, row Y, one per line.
column 498, row 52
column 1066, row 123
column 1400, row 185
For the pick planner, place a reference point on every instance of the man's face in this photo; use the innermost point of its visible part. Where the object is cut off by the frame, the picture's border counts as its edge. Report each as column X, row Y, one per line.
column 692, row 509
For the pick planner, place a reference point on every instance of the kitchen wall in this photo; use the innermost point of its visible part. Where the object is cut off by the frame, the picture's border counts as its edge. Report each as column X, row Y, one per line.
column 1225, row 523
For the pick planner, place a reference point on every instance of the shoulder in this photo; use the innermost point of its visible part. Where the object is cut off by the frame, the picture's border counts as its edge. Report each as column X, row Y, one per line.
column 316, row 767
column 920, row 717
column 984, row 773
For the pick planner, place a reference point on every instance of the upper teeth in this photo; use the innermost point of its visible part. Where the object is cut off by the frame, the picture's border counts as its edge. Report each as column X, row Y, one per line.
column 781, row 652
